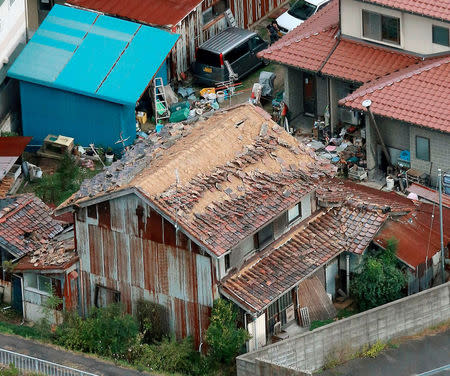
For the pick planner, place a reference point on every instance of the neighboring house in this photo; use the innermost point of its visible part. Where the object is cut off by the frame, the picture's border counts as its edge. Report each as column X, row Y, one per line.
column 11, row 149
column 350, row 43
column 50, row 271
column 12, row 40
column 82, row 73
column 25, row 224
column 183, row 209
column 412, row 113
column 419, row 246
column 195, row 20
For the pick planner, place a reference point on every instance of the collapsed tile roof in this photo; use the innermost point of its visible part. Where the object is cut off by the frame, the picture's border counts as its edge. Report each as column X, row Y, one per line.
column 337, row 192
column 25, row 222
column 316, row 46
column 418, row 94
column 439, row 9
column 308, row 246
column 424, row 224
column 56, row 253
column 236, row 171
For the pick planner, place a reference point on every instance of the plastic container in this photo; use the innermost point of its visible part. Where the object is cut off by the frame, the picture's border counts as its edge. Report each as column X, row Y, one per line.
column 220, row 96
column 109, row 158
column 389, row 183
column 159, row 127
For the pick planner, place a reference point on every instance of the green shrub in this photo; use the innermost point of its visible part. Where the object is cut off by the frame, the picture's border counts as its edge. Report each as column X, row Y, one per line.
column 153, row 321
column 224, row 338
column 380, row 279
column 107, row 332
column 10, row 371
column 374, row 350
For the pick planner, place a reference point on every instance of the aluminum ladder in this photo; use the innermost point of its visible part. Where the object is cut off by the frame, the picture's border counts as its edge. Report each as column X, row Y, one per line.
column 230, row 18
column 160, row 100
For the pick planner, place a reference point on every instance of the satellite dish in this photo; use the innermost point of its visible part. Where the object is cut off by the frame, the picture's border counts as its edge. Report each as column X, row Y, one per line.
column 366, row 102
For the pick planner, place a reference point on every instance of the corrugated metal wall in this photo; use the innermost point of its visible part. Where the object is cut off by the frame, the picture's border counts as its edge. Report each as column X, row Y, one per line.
column 127, row 247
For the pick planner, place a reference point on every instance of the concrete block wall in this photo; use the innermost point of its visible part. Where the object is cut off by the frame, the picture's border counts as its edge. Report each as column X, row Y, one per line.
column 309, row 351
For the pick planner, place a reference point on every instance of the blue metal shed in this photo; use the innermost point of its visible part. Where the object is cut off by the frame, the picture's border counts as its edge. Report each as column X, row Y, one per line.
column 82, row 73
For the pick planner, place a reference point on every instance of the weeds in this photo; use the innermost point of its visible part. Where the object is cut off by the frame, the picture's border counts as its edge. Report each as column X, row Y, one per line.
column 374, row 350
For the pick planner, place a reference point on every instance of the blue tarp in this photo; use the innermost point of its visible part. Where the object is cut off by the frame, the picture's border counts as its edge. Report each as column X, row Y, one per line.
column 95, row 55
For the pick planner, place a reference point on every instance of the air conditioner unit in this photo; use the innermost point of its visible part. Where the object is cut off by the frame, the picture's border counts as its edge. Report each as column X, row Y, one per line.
column 348, row 116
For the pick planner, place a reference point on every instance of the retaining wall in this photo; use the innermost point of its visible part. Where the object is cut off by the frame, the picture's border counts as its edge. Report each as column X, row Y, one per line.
column 309, row 351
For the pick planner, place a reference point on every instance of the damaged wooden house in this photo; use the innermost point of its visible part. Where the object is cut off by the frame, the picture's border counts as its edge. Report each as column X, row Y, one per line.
column 37, row 257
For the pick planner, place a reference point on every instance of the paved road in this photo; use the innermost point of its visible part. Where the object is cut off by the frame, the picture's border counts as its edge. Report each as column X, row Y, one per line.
column 411, row 358
column 67, row 358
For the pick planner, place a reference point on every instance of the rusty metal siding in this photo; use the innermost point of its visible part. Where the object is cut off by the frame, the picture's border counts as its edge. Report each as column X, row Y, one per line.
column 129, row 256
column 247, row 12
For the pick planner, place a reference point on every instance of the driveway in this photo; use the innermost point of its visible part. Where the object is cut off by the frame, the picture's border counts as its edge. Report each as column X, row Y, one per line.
column 415, row 357
column 66, row 358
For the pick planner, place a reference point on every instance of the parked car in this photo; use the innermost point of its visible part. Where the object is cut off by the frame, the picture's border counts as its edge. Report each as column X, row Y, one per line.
column 298, row 13
column 237, row 46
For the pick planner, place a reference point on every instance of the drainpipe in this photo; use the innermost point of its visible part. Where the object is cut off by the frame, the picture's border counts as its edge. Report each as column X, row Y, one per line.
column 348, row 274
column 440, row 226
column 245, row 326
column 254, row 333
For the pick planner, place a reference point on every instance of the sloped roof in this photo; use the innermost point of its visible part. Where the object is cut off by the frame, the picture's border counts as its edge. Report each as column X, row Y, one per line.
column 316, row 45
column 94, row 55
column 24, row 222
column 237, row 171
column 429, row 194
column 300, row 252
column 336, row 192
column 151, row 12
column 418, row 94
column 439, row 9
column 417, row 233
column 11, row 148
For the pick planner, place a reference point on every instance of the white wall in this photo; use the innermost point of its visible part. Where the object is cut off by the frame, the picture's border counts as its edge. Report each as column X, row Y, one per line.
column 12, row 27
column 415, row 31
column 257, row 329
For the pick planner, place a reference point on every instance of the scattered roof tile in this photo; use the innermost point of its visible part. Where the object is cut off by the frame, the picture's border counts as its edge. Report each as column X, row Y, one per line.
column 300, row 252
column 25, row 221
column 417, row 94
column 424, row 224
column 221, row 179
column 431, row 8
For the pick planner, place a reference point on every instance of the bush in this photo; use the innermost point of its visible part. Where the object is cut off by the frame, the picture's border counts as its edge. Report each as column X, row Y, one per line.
column 153, row 321
column 225, row 340
column 168, row 356
column 380, row 280
column 107, row 332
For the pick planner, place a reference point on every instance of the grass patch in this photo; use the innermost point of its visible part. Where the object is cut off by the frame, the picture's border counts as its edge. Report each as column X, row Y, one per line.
column 20, row 330
column 374, row 350
column 342, row 314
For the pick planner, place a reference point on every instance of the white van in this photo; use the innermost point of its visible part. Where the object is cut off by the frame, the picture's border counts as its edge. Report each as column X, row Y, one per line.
column 298, row 13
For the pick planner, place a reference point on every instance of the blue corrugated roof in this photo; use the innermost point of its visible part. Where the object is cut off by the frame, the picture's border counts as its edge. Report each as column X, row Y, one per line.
column 92, row 54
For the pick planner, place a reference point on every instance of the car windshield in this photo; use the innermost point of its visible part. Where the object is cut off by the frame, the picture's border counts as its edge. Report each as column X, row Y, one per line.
column 302, row 10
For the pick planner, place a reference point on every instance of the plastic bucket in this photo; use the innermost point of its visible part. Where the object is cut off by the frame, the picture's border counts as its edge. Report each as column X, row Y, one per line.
column 389, row 183
column 109, row 158
column 220, row 96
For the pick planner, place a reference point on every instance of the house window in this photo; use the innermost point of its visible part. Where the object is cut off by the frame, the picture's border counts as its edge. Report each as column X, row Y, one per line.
column 295, row 213
column 441, row 35
column 92, row 211
column 38, row 282
column 105, row 296
column 216, row 10
column 264, row 236
column 380, row 27
column 227, row 262
column 423, row 148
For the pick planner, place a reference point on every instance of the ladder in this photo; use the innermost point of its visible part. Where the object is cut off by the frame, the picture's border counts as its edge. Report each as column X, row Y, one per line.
column 230, row 18
column 161, row 108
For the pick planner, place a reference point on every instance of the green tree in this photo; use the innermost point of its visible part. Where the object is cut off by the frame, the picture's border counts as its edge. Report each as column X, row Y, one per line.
column 224, row 338
column 380, row 279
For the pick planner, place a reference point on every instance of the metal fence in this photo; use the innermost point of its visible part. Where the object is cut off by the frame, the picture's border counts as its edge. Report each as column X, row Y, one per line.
column 30, row 364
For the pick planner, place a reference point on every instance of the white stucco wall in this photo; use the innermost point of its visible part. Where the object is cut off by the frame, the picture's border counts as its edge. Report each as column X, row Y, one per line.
column 12, row 27
column 415, row 31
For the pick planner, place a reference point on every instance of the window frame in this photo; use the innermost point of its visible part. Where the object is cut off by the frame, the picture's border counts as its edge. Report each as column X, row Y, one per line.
column 38, row 283
column 429, row 148
column 380, row 37
column 227, row 262
column 116, row 295
column 266, row 241
column 434, row 29
column 299, row 215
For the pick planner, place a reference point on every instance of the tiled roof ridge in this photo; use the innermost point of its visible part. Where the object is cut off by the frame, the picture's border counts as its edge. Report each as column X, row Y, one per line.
column 281, row 44
column 395, row 77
